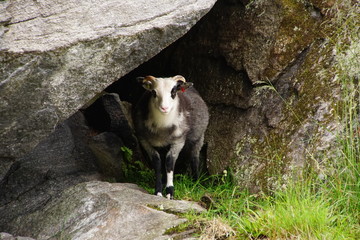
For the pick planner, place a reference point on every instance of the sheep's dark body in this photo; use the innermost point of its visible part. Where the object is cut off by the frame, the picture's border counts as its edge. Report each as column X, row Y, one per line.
column 188, row 130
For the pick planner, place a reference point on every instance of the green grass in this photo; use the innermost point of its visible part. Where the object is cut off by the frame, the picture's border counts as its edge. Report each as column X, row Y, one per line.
column 296, row 213
column 301, row 211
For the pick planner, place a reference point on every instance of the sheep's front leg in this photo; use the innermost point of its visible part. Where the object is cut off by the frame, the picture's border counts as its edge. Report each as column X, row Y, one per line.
column 156, row 160
column 157, row 166
column 171, row 158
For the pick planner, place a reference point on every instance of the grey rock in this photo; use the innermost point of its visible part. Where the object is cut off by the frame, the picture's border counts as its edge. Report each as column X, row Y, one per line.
column 120, row 118
column 112, row 118
column 7, row 236
column 99, row 210
column 56, row 56
column 58, row 162
column 108, row 113
column 109, row 156
column 279, row 131
column 5, row 165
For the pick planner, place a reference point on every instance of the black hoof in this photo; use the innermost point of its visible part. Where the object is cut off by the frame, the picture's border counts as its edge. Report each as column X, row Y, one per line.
column 170, row 192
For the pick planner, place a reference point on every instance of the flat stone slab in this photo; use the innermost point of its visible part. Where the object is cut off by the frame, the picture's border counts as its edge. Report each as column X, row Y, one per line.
column 102, row 210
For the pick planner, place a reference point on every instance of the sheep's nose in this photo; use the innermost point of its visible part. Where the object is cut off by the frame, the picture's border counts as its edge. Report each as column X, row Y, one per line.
column 164, row 109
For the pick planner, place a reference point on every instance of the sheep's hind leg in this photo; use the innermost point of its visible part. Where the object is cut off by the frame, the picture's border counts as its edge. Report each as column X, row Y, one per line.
column 194, row 157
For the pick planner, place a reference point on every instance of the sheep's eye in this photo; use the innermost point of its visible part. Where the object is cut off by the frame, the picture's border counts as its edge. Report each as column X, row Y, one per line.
column 153, row 93
column 173, row 93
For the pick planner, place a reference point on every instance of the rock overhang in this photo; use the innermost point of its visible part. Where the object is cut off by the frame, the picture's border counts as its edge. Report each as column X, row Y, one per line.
column 56, row 56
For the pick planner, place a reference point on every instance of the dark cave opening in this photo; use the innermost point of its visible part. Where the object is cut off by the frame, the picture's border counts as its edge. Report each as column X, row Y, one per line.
column 130, row 91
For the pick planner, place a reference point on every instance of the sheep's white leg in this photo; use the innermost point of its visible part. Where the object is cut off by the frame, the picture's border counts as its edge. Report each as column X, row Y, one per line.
column 171, row 158
column 169, row 184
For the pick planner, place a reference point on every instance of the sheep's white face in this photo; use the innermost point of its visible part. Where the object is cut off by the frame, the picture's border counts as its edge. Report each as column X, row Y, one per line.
column 164, row 91
column 164, row 95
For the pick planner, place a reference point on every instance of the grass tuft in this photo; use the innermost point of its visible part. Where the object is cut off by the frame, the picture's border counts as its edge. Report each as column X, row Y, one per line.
column 301, row 211
column 296, row 213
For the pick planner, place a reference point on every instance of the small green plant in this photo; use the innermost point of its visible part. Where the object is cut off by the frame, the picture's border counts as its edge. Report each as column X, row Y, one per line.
column 135, row 171
column 127, row 153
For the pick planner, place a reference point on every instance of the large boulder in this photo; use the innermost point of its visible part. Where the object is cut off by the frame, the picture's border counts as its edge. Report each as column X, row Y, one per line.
column 57, row 55
column 99, row 210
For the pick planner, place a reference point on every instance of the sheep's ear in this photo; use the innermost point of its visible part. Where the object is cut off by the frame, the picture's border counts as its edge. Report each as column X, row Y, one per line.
column 147, row 82
column 147, row 85
column 179, row 78
column 182, row 86
column 140, row 79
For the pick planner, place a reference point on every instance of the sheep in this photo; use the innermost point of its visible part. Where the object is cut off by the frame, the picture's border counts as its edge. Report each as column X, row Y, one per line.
column 170, row 114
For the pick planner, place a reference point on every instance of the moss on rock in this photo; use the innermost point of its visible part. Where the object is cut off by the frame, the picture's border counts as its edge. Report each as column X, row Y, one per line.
column 291, row 122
